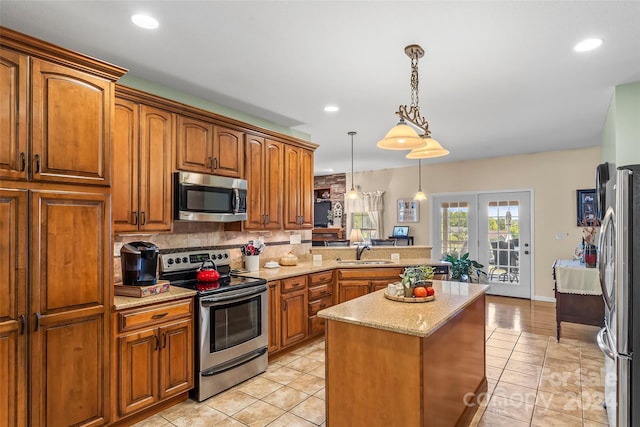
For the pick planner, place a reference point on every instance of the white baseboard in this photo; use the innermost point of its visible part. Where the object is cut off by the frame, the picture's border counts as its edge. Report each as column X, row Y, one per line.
column 546, row 299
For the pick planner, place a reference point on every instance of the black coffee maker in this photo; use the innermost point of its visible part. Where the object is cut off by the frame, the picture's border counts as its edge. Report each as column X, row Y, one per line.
column 139, row 261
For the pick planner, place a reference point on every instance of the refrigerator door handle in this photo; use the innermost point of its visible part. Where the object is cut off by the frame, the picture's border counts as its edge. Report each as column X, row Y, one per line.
column 607, row 228
column 603, row 343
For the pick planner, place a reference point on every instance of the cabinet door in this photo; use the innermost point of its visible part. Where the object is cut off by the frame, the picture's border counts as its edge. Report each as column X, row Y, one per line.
column 306, row 188
column 137, row 370
column 176, row 358
column 274, row 182
column 350, row 289
column 13, row 110
column 228, row 148
column 13, row 285
column 156, row 145
column 294, row 319
column 70, row 292
column 126, row 146
column 256, row 177
column 194, row 145
column 71, row 125
column 292, row 179
column 376, row 285
column 274, row 316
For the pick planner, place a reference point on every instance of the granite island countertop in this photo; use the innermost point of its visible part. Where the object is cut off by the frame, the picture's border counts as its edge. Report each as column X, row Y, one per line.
column 419, row 319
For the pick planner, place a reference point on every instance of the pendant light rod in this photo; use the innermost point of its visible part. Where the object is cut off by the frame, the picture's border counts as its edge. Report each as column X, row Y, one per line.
column 353, row 194
column 420, row 196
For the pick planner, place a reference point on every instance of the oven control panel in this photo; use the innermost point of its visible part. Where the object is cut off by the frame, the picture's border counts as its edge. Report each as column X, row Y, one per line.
column 192, row 260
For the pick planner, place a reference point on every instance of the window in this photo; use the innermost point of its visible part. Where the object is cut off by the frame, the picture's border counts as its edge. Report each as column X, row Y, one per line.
column 362, row 221
column 455, row 227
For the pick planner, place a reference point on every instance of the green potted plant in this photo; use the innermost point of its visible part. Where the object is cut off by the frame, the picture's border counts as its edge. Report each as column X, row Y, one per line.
column 463, row 268
column 413, row 276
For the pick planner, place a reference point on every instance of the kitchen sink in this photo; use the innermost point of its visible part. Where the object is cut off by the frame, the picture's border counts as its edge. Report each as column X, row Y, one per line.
column 366, row 262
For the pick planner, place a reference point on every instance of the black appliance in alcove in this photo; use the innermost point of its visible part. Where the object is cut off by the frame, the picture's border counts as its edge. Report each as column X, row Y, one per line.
column 139, row 262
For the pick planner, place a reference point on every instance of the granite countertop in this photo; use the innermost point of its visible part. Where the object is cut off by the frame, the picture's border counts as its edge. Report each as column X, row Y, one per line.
column 419, row 319
column 120, row 302
column 307, row 267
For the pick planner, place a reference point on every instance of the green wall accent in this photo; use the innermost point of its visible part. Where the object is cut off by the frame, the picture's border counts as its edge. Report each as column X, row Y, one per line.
column 609, row 133
column 621, row 130
column 174, row 95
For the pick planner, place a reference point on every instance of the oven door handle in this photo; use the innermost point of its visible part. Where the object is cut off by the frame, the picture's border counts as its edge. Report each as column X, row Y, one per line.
column 232, row 297
column 234, row 363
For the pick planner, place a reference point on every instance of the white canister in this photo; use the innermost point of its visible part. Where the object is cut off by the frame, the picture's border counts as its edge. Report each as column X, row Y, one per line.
column 252, row 262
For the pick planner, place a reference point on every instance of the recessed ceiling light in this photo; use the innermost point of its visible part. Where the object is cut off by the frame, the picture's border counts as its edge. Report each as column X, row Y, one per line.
column 145, row 21
column 331, row 108
column 588, row 44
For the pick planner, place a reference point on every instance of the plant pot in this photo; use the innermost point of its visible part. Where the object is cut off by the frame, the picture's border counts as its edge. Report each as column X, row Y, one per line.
column 408, row 291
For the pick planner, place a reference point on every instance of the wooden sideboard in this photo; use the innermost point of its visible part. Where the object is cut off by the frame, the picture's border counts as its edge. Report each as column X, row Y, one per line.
column 320, row 235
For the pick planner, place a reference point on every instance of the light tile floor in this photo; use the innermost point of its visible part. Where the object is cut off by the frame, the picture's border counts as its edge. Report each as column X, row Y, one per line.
column 533, row 381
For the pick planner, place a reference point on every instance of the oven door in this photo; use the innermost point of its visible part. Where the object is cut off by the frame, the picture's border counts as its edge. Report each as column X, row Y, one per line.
column 232, row 324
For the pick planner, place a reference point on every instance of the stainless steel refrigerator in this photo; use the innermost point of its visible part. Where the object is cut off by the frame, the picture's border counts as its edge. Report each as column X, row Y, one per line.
column 619, row 262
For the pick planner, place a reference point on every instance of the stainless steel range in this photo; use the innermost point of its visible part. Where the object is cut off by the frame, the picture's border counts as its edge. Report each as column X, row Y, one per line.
column 231, row 320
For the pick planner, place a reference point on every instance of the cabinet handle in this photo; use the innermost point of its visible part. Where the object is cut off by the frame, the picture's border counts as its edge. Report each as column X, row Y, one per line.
column 37, row 157
column 268, row 219
column 284, row 307
column 23, row 162
column 135, row 218
column 164, row 340
column 157, row 340
column 159, row 316
column 37, row 322
column 215, row 163
column 144, row 218
column 210, row 162
column 323, row 305
column 22, row 323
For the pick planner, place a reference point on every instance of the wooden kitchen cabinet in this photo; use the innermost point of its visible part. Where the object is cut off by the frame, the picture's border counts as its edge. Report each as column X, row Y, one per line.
column 294, row 310
column 66, row 113
column 298, row 188
column 13, row 308
column 264, row 173
column 356, row 282
column 320, row 297
column 205, row 147
column 155, row 354
column 143, row 146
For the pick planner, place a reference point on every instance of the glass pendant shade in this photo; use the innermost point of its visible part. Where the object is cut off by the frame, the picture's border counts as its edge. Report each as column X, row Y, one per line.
column 401, row 137
column 352, row 195
column 430, row 148
column 420, row 196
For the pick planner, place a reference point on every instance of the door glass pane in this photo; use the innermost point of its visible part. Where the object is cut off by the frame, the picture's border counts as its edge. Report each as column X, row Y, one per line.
column 235, row 323
column 504, row 240
column 454, row 228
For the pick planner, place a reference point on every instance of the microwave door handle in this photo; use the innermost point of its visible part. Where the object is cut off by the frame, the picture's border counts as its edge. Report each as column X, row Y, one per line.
column 236, row 201
column 608, row 226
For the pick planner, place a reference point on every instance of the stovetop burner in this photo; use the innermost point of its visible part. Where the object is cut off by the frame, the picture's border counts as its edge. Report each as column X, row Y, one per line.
column 181, row 269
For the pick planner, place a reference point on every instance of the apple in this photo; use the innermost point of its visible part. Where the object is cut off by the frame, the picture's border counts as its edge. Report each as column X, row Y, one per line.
column 430, row 291
column 420, row 292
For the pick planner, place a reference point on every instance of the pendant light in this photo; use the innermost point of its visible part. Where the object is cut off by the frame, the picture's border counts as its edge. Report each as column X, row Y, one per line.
column 353, row 194
column 420, row 196
column 429, row 150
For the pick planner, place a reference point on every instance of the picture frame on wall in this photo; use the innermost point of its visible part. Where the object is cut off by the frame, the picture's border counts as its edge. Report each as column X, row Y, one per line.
column 408, row 210
column 587, row 209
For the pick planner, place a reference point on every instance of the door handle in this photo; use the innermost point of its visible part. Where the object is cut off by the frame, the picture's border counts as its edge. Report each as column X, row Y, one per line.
column 157, row 340
column 144, row 218
column 164, row 340
column 22, row 320
column 526, row 252
column 37, row 158
column 37, row 322
column 23, row 161
column 135, row 218
column 215, row 163
column 210, row 162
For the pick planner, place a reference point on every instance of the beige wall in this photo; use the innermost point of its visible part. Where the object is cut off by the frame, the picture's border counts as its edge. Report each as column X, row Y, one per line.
column 553, row 177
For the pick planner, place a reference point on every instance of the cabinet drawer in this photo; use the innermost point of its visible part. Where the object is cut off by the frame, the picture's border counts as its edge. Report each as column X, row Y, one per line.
column 322, row 277
column 293, row 283
column 320, row 291
column 154, row 314
column 370, row 273
column 316, row 306
column 316, row 325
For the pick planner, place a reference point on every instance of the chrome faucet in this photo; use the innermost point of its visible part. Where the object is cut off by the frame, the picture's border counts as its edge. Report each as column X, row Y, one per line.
column 360, row 249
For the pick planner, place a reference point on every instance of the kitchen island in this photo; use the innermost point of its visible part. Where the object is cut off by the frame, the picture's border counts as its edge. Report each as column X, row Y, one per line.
column 391, row 363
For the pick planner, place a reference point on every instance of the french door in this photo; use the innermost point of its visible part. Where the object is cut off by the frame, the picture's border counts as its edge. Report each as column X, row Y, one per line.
column 495, row 228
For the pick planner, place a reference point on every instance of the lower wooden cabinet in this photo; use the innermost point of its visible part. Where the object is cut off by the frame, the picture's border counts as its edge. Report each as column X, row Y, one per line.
column 356, row 282
column 155, row 354
column 274, row 316
column 320, row 297
column 293, row 309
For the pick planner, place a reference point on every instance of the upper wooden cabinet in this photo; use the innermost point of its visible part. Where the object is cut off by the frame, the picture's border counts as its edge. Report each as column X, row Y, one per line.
column 298, row 188
column 207, row 148
column 143, row 146
column 264, row 174
column 56, row 115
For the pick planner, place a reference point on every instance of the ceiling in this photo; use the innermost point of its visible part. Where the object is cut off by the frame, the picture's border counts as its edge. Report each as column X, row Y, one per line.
column 498, row 78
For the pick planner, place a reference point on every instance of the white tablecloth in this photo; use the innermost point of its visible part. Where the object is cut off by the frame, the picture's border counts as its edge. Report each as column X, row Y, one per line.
column 572, row 277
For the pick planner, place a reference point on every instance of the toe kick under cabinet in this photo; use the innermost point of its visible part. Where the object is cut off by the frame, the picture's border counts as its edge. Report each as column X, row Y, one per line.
column 154, row 354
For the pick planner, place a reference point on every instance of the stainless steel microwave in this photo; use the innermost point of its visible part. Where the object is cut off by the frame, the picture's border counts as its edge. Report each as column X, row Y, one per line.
column 212, row 198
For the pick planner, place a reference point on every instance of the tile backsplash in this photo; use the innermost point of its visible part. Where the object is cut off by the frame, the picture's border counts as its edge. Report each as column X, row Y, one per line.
column 213, row 235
